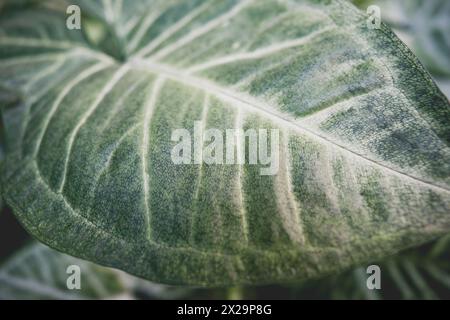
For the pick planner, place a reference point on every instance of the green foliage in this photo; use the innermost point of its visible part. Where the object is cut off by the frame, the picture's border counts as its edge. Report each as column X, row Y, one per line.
column 365, row 156
column 38, row 272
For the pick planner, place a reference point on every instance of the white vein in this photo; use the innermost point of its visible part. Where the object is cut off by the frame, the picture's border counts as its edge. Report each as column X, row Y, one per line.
column 109, row 11
column 143, row 28
column 248, row 79
column 26, row 42
column 117, row 144
column 203, row 120
column 120, row 103
column 200, row 149
column 76, row 49
column 103, row 93
column 340, row 106
column 148, row 112
column 253, row 105
column 118, row 7
column 240, row 160
column 93, row 54
column 260, row 53
column 64, row 92
column 44, row 73
column 293, row 214
column 129, row 25
column 200, row 31
column 171, row 30
column 11, row 62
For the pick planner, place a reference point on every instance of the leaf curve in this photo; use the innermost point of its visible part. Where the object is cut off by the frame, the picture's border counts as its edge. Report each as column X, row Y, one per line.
column 365, row 158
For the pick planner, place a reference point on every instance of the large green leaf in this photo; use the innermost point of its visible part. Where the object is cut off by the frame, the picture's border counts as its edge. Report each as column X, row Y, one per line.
column 365, row 158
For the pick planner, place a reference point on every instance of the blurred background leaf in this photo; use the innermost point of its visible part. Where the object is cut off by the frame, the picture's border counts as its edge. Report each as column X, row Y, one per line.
column 38, row 272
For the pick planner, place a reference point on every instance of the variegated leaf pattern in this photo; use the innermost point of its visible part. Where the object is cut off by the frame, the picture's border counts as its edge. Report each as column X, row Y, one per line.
column 364, row 160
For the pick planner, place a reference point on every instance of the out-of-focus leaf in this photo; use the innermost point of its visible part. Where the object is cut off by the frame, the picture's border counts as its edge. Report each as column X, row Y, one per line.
column 38, row 272
column 424, row 25
column 429, row 23
column 416, row 274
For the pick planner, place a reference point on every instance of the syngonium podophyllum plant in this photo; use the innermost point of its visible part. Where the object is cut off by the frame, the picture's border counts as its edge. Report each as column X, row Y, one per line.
column 364, row 162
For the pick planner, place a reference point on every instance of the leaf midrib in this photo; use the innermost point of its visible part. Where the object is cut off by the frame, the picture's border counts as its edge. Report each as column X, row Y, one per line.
column 266, row 110
column 208, row 86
